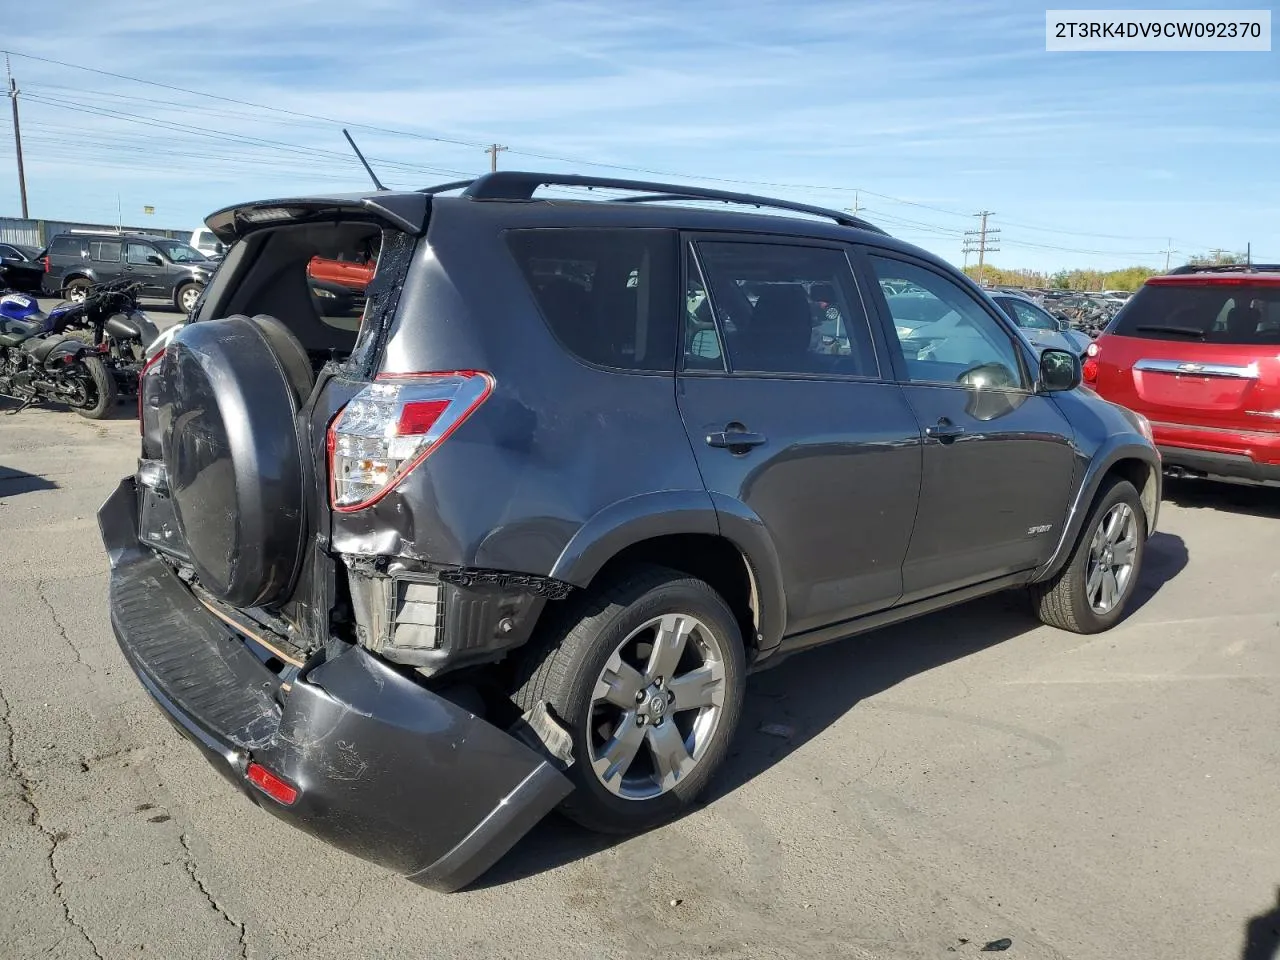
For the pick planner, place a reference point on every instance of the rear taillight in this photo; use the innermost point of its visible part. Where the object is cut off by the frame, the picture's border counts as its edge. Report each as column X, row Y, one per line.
column 46, row 264
column 1090, row 369
column 391, row 426
column 150, row 365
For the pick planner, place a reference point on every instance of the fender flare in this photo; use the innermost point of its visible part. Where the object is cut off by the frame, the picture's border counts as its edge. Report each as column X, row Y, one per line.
column 68, row 347
column 1113, row 451
column 669, row 512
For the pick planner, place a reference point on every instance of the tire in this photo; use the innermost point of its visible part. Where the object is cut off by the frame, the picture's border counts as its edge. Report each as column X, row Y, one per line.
column 104, row 388
column 184, row 298
column 565, row 672
column 1064, row 601
column 76, row 289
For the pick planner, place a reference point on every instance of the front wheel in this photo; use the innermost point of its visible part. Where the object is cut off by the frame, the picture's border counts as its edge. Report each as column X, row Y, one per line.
column 99, row 390
column 1091, row 592
column 186, row 296
column 647, row 675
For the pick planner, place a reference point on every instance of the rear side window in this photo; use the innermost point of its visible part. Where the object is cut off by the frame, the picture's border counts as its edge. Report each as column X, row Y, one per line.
column 1202, row 313
column 107, row 251
column 69, row 247
column 778, row 308
column 609, row 296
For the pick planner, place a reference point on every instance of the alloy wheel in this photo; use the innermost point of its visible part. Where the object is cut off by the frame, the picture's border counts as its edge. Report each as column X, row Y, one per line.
column 1112, row 552
column 189, row 298
column 656, row 706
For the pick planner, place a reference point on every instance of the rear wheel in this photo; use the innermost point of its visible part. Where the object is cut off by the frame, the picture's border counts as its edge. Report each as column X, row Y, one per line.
column 100, row 390
column 648, row 677
column 1091, row 592
column 76, row 290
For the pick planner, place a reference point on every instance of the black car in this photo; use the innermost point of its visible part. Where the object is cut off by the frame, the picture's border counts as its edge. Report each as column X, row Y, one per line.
column 167, row 269
column 515, row 539
column 20, row 268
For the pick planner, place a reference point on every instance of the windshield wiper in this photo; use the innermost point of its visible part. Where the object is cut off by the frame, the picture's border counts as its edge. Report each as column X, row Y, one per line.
column 1163, row 328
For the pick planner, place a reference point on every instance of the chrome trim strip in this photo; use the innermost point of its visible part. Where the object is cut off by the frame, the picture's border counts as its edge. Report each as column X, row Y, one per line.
column 1192, row 369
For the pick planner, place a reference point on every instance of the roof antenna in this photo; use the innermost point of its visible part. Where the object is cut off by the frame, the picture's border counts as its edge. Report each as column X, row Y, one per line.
column 372, row 176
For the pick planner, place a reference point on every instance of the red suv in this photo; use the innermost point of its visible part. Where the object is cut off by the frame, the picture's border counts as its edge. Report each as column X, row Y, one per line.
column 1198, row 352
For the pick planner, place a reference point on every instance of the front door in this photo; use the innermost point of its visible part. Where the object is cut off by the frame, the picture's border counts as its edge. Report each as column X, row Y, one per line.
column 789, row 416
column 998, row 458
column 144, row 264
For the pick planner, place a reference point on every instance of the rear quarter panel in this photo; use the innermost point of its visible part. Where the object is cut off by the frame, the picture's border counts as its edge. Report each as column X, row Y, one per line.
column 557, row 443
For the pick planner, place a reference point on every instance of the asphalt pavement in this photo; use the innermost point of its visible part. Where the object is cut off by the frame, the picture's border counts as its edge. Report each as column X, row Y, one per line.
column 963, row 780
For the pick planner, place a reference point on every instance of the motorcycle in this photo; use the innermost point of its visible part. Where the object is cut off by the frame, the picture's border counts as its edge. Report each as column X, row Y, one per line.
column 121, row 335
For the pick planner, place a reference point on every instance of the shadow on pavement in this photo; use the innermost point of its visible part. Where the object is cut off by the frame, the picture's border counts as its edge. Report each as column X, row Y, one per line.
column 1262, row 934
column 807, row 693
column 14, row 482
column 1216, row 495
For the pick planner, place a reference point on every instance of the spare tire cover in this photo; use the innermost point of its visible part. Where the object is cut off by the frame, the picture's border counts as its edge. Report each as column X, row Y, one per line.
column 233, row 457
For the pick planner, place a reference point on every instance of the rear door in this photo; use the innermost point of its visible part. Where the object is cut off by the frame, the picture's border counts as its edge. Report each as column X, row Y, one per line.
column 144, row 264
column 796, row 421
column 108, row 258
column 998, row 460
column 1198, row 352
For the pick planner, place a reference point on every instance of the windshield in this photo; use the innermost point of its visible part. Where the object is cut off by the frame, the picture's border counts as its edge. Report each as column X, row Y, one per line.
column 180, row 252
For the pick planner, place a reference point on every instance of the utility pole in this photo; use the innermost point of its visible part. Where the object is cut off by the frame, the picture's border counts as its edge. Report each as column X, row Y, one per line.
column 1168, row 252
column 493, row 150
column 1217, row 253
column 17, row 136
column 981, row 241
column 855, row 208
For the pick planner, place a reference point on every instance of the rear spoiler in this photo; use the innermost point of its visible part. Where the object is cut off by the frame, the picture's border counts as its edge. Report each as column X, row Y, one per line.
column 403, row 211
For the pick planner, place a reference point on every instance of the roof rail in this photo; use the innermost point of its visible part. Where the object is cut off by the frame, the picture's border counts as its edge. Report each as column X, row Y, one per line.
column 446, row 187
column 1225, row 268
column 517, row 185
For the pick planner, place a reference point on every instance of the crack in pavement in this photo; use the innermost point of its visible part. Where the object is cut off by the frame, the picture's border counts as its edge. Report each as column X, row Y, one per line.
column 26, row 796
column 189, row 862
column 57, row 623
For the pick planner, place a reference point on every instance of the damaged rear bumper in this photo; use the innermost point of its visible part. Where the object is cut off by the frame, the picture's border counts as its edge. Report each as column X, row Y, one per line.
column 384, row 768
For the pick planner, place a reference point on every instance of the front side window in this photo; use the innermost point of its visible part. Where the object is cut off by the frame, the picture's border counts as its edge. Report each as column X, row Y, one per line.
column 180, row 252
column 106, row 251
column 946, row 335
column 609, row 296
column 778, row 309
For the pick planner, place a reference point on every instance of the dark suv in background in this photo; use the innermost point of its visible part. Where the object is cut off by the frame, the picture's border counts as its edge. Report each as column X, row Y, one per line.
column 515, row 539
column 167, row 269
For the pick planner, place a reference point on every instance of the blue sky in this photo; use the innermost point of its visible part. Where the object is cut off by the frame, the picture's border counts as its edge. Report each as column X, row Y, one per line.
column 930, row 110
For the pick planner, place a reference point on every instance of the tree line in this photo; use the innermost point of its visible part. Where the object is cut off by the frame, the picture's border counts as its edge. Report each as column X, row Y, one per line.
column 1127, row 278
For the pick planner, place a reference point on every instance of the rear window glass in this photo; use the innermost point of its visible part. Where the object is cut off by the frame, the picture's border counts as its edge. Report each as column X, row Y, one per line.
column 609, row 296
column 107, row 251
column 73, row 246
column 1202, row 313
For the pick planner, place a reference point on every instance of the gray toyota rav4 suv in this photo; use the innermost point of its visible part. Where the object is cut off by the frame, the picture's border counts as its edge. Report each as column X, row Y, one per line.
column 513, row 538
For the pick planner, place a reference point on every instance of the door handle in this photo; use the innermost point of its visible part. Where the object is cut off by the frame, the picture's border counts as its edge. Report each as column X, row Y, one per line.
column 735, row 440
column 944, row 430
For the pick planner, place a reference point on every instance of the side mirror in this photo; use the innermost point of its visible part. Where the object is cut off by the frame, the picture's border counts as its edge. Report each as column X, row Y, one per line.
column 1059, row 370
column 1063, row 326
column 154, row 260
